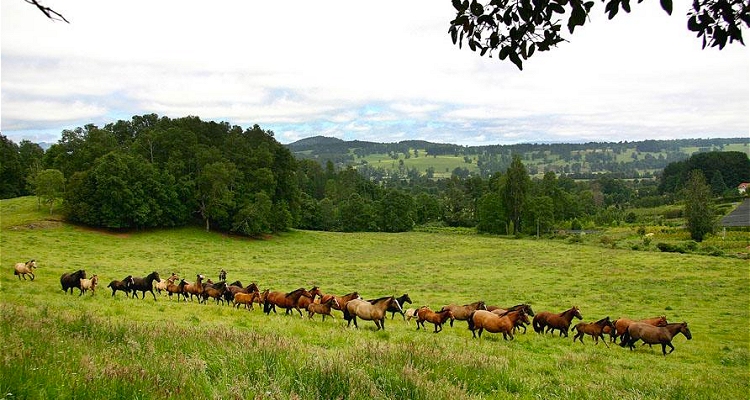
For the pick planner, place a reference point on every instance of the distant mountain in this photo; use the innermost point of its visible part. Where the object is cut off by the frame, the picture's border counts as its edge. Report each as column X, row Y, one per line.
column 313, row 142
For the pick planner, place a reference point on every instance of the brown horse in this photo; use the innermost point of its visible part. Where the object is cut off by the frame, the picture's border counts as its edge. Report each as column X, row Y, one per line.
column 23, row 269
column 435, row 318
column 373, row 310
column 341, row 300
column 486, row 320
column 321, row 308
column 561, row 321
column 286, row 301
column 654, row 334
column 520, row 324
column 622, row 324
column 595, row 329
column 72, row 280
column 305, row 301
column 193, row 288
column 463, row 312
column 159, row 286
column 245, row 298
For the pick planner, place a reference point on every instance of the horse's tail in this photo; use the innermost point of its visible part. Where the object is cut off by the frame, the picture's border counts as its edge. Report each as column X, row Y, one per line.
column 471, row 321
column 15, row 272
column 625, row 338
column 536, row 323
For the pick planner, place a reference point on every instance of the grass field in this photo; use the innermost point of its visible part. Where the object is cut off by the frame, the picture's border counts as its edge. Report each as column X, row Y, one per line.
column 66, row 346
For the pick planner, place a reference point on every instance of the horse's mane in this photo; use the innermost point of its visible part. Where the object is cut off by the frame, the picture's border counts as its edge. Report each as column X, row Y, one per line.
column 379, row 300
column 602, row 321
column 294, row 291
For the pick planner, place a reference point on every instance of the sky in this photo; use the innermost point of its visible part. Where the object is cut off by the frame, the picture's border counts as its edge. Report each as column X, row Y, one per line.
column 381, row 71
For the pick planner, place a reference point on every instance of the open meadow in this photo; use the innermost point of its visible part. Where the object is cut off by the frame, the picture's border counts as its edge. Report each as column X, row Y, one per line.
column 57, row 345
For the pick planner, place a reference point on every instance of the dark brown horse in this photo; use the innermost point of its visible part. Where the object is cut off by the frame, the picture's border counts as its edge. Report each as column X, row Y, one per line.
column 373, row 310
column 144, row 285
column 286, row 301
column 595, row 329
column 622, row 324
column 72, row 280
column 561, row 321
column 463, row 312
column 654, row 334
column 435, row 318
column 123, row 285
column 491, row 322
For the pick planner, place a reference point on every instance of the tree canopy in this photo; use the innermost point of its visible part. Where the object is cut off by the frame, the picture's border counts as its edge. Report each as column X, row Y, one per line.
column 515, row 30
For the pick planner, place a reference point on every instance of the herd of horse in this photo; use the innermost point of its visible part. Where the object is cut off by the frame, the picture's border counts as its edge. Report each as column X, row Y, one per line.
column 479, row 316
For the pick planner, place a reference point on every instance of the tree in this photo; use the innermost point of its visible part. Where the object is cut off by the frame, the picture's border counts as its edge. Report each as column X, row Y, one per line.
column 213, row 188
column 515, row 29
column 49, row 186
column 396, row 212
column 698, row 206
column 516, row 191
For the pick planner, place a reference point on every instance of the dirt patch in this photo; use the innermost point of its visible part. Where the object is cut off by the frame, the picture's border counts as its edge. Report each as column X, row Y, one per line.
column 37, row 225
column 102, row 231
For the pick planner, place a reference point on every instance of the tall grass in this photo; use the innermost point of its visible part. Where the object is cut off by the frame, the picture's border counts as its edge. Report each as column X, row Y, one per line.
column 58, row 345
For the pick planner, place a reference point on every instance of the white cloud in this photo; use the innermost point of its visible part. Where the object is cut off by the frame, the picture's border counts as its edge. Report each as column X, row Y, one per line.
column 368, row 71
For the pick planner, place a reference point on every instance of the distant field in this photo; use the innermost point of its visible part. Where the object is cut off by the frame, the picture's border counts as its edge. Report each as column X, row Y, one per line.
column 58, row 345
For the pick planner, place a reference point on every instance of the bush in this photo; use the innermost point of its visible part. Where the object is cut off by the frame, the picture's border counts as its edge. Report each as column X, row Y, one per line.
column 669, row 248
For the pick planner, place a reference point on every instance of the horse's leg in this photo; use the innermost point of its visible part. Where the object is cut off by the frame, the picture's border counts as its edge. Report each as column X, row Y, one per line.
column 670, row 346
column 152, row 293
column 480, row 332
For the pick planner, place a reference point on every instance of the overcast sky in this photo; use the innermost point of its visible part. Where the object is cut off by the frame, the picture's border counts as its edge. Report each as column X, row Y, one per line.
column 381, row 71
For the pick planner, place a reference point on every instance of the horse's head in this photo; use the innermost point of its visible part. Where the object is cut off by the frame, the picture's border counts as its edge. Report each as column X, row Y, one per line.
column 405, row 298
column 577, row 312
column 662, row 320
column 155, row 276
column 315, row 291
column 527, row 309
column 481, row 306
column 199, row 278
column 94, row 279
column 80, row 274
column 685, row 330
column 522, row 316
column 129, row 281
column 333, row 302
column 31, row 264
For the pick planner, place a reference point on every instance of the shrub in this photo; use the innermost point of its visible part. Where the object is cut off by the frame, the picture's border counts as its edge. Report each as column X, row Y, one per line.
column 669, row 248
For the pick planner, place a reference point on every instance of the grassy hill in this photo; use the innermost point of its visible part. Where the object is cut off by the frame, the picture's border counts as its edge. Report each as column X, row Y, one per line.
column 58, row 345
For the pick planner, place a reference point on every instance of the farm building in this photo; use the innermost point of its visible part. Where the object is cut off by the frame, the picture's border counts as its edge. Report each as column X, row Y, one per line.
column 739, row 217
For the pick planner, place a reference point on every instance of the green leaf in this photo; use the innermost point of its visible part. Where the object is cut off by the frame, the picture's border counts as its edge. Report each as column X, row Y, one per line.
column 476, row 8
column 667, row 6
column 516, row 60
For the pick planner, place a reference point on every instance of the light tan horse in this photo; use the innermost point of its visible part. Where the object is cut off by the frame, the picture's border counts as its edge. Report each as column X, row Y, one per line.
column 372, row 310
column 463, row 312
column 89, row 284
column 23, row 269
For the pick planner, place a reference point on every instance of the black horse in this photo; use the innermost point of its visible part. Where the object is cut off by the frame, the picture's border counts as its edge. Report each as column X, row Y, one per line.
column 125, row 285
column 393, row 308
column 145, row 285
column 72, row 280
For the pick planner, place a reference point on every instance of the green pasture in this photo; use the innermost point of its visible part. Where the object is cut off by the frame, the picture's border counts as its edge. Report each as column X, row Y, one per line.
column 58, row 345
